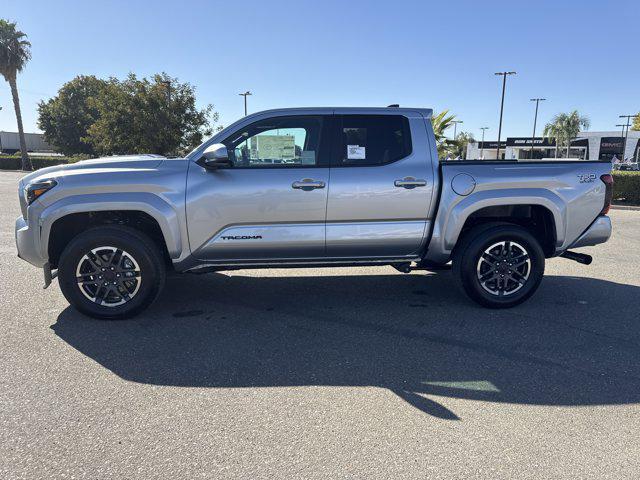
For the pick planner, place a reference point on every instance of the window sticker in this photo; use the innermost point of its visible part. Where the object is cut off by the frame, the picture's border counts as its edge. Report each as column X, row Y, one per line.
column 356, row 152
column 308, row 157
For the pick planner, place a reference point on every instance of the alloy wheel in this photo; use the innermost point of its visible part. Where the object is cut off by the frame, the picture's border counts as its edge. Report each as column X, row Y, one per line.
column 503, row 268
column 108, row 276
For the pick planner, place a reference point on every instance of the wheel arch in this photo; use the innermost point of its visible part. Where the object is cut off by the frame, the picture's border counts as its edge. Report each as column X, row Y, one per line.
column 63, row 220
column 538, row 209
column 536, row 218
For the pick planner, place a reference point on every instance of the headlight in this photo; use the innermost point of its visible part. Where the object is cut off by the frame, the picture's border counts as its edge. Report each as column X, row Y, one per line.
column 35, row 189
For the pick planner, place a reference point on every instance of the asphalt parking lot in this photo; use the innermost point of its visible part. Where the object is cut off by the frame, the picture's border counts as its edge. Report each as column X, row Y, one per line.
column 325, row 373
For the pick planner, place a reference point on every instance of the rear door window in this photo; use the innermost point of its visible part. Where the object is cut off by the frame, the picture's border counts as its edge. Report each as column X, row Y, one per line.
column 369, row 140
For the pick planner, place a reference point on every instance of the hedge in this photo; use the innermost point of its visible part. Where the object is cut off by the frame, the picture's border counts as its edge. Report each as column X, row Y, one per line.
column 626, row 187
column 13, row 162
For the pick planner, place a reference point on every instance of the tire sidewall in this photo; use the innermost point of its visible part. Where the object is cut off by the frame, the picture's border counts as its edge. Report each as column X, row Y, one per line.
column 478, row 244
column 151, row 275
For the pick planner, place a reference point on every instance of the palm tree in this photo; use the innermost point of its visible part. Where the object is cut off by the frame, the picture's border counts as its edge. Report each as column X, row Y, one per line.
column 564, row 127
column 441, row 122
column 14, row 54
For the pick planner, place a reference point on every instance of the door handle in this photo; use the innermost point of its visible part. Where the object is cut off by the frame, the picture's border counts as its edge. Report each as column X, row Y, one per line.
column 307, row 184
column 410, row 182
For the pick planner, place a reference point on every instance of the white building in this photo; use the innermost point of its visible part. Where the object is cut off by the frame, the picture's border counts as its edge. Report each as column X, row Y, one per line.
column 10, row 142
column 588, row 146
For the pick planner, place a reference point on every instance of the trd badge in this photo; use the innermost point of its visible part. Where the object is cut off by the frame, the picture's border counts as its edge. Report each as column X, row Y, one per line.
column 586, row 177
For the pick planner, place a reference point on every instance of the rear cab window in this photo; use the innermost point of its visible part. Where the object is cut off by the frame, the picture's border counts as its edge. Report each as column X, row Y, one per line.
column 370, row 140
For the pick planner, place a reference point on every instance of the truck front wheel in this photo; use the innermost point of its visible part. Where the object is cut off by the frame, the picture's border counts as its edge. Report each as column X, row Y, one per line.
column 111, row 272
column 499, row 266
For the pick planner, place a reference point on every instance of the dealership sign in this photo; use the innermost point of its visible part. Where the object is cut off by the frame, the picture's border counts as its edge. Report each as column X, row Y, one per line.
column 611, row 144
column 273, row 147
column 526, row 142
column 493, row 144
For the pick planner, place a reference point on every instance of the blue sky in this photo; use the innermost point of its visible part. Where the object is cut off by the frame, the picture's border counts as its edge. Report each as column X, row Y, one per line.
column 578, row 54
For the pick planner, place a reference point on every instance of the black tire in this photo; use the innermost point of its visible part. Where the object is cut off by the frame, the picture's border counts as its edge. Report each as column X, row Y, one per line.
column 140, row 261
column 483, row 280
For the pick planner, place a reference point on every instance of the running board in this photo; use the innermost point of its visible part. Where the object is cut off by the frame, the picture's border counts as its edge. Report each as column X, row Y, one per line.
column 215, row 267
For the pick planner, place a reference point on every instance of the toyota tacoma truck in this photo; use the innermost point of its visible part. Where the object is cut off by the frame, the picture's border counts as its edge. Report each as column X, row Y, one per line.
column 307, row 187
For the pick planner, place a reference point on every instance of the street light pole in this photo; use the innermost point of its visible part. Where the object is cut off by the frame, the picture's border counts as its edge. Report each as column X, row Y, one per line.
column 626, row 135
column 535, row 121
column 504, row 86
column 455, row 127
column 621, row 136
column 482, row 147
column 245, row 95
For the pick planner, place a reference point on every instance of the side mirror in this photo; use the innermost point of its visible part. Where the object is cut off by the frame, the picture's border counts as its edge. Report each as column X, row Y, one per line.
column 215, row 156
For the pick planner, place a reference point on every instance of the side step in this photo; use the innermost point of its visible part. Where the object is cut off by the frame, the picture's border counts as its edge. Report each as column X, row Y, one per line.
column 582, row 258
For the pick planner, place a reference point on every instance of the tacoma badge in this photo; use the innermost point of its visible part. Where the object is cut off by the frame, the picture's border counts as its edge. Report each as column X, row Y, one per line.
column 242, row 237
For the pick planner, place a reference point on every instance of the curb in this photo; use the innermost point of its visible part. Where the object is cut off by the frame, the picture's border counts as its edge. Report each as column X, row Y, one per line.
column 626, row 207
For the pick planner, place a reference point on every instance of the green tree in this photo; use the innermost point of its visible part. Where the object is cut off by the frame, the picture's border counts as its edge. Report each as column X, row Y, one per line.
column 66, row 118
column 15, row 52
column 564, row 127
column 156, row 115
column 636, row 122
column 440, row 122
column 462, row 140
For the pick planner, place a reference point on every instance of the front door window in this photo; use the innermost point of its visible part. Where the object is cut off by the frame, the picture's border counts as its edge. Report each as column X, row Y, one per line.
column 278, row 142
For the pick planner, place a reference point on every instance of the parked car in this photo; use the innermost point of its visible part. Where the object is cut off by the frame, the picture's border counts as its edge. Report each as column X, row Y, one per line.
column 363, row 186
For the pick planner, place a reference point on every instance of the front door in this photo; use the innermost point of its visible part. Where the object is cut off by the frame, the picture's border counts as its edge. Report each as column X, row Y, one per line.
column 271, row 203
column 382, row 183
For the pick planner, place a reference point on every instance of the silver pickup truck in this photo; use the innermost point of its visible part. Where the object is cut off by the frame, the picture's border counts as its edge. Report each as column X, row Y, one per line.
column 307, row 187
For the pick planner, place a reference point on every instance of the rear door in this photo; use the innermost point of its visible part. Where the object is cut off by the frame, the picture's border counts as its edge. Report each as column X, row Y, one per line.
column 382, row 183
column 271, row 203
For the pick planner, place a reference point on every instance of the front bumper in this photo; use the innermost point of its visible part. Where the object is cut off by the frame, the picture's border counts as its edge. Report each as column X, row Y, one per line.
column 598, row 232
column 28, row 243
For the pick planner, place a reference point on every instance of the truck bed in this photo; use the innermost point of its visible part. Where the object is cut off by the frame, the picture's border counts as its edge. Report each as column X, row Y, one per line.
column 571, row 192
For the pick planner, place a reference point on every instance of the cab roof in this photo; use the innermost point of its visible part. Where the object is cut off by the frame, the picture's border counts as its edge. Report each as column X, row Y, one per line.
column 425, row 112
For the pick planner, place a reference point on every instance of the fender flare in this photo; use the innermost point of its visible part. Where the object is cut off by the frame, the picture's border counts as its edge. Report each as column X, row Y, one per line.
column 451, row 218
column 149, row 203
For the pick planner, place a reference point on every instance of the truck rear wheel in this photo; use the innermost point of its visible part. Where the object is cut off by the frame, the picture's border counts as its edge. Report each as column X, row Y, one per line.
column 111, row 272
column 499, row 266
